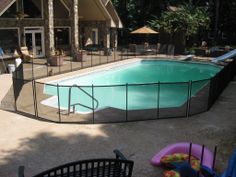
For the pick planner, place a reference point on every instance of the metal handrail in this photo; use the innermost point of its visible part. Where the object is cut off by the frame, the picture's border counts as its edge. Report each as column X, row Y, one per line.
column 91, row 96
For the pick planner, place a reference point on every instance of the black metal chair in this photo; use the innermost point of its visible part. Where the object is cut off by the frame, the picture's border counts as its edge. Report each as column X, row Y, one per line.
column 116, row 167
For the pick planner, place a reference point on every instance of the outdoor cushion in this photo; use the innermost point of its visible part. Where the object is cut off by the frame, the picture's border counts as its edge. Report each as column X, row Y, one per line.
column 171, row 173
column 167, row 160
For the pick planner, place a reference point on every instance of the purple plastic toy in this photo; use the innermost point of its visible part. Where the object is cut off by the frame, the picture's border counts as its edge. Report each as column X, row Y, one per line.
column 183, row 147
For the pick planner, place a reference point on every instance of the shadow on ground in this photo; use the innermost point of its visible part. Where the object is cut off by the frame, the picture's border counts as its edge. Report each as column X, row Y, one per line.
column 45, row 145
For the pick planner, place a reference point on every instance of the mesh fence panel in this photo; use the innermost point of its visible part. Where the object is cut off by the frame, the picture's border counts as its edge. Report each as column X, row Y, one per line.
column 47, row 102
column 66, row 67
column 199, row 97
column 96, row 58
column 173, row 99
column 77, row 60
column 40, row 68
column 142, row 102
column 28, row 71
column 111, row 104
column 25, row 100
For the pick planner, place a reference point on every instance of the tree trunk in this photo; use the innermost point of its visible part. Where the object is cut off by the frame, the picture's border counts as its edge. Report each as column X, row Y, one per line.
column 179, row 42
column 216, row 21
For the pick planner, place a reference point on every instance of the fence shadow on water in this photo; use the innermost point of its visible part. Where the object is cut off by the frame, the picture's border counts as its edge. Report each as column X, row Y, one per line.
column 120, row 103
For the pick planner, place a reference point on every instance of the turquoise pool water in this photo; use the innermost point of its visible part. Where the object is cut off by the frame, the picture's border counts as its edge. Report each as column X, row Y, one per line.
column 165, row 85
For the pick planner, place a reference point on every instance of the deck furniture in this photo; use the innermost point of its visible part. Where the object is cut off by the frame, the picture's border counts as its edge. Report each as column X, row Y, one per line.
column 107, row 167
column 5, row 60
column 56, row 60
column 24, row 54
column 80, row 55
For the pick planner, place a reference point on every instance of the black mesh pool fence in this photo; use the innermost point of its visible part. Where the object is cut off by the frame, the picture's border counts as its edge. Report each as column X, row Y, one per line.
column 31, row 96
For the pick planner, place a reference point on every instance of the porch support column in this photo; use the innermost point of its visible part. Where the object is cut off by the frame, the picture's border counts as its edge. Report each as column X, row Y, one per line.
column 75, row 27
column 20, row 18
column 49, row 28
column 107, row 37
column 116, row 39
column 113, row 38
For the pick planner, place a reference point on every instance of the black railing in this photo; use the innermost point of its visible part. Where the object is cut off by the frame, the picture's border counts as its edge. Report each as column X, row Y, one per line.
column 30, row 98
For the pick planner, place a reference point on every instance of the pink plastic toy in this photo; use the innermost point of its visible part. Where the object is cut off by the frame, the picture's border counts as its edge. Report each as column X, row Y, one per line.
column 183, row 147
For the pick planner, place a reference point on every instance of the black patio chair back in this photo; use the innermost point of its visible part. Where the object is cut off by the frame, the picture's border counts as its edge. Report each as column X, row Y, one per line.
column 117, row 167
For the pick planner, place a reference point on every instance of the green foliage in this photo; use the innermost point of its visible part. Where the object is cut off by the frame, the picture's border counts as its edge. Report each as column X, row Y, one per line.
column 186, row 18
column 136, row 13
column 189, row 18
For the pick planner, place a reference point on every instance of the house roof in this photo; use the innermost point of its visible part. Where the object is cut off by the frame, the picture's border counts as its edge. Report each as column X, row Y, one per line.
column 105, row 2
column 89, row 10
column 94, row 10
column 112, row 11
column 5, row 4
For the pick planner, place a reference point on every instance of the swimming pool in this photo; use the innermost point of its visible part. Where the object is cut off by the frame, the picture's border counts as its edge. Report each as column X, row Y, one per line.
column 143, row 84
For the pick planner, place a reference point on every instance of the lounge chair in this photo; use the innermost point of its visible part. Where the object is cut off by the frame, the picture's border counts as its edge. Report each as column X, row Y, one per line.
column 24, row 54
column 114, row 167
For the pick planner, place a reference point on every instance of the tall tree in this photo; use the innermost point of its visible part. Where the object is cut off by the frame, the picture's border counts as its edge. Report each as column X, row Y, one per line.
column 136, row 13
column 185, row 20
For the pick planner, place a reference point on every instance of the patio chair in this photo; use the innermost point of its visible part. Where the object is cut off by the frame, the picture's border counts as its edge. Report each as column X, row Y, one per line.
column 113, row 167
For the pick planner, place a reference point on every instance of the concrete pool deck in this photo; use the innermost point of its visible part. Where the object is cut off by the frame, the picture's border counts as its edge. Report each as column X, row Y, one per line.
column 41, row 145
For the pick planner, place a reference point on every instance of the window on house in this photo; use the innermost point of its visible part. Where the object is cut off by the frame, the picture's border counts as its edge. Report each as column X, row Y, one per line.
column 10, row 12
column 95, row 36
column 33, row 8
column 62, row 38
column 9, row 40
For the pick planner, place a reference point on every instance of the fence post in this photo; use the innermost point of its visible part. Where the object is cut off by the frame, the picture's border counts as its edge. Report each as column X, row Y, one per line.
column 82, row 64
column 59, row 63
column 91, row 64
column 47, row 66
column 32, row 67
column 71, row 58
column 107, row 56
column 58, row 100
column 93, row 101
column 158, row 100
column 14, row 92
column 36, row 100
column 100, row 57
column 189, row 98
column 126, row 100
column 33, row 92
column 69, row 100
column 210, row 94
